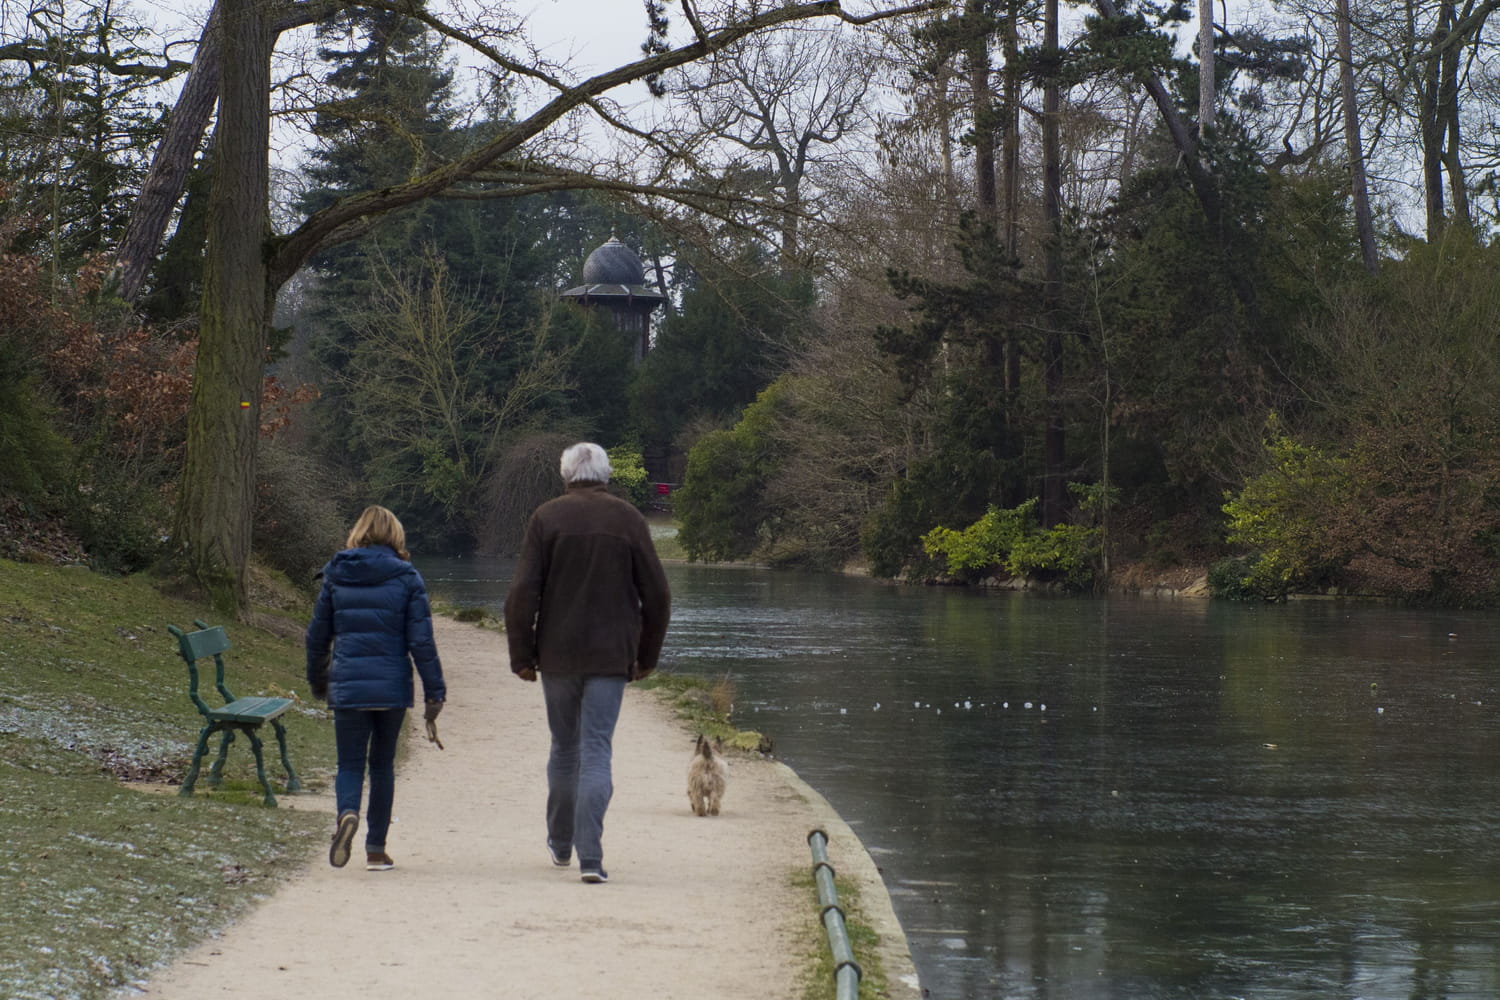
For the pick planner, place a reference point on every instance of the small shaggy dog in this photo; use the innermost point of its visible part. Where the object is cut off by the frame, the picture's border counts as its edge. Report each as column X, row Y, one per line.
column 707, row 776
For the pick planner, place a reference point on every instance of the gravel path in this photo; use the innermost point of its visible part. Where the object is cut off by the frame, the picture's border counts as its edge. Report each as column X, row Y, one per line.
column 695, row 907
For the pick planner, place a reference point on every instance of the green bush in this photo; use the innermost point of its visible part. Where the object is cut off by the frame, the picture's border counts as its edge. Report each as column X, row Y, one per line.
column 629, row 475
column 1010, row 539
column 1067, row 553
column 715, row 507
column 119, row 513
column 1283, row 516
column 894, row 531
column 32, row 453
column 721, row 509
column 986, row 543
column 1229, row 580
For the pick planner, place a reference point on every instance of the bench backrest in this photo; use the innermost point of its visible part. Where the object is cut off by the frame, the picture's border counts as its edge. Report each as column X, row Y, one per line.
column 208, row 640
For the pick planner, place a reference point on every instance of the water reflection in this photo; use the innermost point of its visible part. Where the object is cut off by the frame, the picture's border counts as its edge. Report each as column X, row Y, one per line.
column 1130, row 798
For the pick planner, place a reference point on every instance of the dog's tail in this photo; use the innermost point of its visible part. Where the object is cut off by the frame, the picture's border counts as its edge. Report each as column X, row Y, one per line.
column 705, row 750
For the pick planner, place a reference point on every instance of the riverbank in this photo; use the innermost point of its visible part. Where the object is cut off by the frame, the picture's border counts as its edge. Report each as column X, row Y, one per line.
column 1136, row 579
column 695, row 906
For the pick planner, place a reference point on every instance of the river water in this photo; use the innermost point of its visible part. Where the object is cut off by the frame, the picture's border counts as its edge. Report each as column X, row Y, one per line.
column 1123, row 799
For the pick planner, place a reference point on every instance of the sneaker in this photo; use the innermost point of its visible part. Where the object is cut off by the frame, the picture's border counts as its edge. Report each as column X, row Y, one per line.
column 593, row 872
column 559, row 858
column 378, row 861
column 343, row 837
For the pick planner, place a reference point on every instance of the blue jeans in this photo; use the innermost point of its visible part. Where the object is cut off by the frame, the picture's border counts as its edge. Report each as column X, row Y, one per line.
column 581, row 713
column 367, row 736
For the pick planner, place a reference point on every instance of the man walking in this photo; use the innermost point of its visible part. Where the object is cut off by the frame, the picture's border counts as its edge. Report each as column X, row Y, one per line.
column 587, row 609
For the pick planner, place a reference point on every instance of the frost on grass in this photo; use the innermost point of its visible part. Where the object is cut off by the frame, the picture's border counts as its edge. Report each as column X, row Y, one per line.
column 103, row 884
column 111, row 739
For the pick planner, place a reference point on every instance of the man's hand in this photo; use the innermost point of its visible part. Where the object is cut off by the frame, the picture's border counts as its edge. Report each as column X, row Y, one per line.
column 637, row 674
column 527, row 673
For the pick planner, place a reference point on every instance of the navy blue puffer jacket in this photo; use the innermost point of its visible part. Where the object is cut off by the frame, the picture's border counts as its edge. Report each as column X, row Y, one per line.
column 373, row 612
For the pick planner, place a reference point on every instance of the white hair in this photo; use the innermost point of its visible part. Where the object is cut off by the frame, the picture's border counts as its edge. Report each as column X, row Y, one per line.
column 585, row 462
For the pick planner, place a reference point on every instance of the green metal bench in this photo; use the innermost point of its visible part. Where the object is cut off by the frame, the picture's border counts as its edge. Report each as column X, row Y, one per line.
column 237, row 715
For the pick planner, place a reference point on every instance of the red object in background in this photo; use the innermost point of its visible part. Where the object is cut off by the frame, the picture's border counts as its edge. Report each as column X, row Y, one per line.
column 663, row 489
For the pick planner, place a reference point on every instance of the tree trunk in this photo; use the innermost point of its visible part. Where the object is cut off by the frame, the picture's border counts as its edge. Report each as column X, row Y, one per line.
column 1206, row 85
column 1447, row 109
column 170, row 164
column 1432, row 134
column 982, row 96
column 791, row 227
column 1010, row 170
column 213, row 526
column 1359, row 186
column 945, row 140
column 1054, row 445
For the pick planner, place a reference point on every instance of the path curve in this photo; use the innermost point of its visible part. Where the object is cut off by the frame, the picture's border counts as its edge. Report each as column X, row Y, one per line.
column 695, row 907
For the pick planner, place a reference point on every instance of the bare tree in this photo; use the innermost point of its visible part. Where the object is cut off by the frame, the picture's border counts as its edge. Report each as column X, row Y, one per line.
column 789, row 100
column 1429, row 65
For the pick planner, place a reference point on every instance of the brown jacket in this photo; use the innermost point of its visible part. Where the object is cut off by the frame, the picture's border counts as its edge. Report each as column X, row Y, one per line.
column 589, row 595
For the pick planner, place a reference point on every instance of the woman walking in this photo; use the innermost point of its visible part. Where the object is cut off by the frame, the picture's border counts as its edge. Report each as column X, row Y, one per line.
column 372, row 615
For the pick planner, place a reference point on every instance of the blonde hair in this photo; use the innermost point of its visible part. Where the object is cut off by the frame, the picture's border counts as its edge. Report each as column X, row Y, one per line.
column 378, row 526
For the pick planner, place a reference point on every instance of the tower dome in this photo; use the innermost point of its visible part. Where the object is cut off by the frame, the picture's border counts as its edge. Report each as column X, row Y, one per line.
column 613, row 264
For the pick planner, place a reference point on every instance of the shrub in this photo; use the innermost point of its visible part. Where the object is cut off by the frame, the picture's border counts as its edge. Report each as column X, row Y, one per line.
column 33, row 455
column 721, row 506
column 894, row 531
column 120, row 517
column 628, row 475
column 1283, row 516
column 1229, row 580
column 525, row 477
column 303, row 511
column 987, row 542
column 1067, row 553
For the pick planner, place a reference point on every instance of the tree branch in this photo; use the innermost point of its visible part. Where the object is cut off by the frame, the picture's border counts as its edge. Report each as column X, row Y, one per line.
column 291, row 251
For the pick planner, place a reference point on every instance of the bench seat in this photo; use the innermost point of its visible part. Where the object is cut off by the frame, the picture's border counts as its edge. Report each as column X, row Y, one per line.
column 250, row 710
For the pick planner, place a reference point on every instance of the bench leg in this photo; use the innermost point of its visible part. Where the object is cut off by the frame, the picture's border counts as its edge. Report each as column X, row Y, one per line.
column 260, row 767
column 216, row 773
column 292, row 784
column 192, row 772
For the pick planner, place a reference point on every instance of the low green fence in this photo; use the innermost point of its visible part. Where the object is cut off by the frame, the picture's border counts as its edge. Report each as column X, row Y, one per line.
column 846, row 971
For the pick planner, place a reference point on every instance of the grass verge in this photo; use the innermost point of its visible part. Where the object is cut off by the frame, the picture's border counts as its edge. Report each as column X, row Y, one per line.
column 106, row 871
column 664, row 538
column 707, row 707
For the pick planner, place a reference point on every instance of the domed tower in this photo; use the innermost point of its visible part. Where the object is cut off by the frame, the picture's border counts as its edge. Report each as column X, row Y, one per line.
column 615, row 280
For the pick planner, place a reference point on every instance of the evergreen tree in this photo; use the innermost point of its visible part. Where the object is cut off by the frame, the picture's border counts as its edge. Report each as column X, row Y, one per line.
column 77, row 119
column 501, row 263
column 728, row 341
